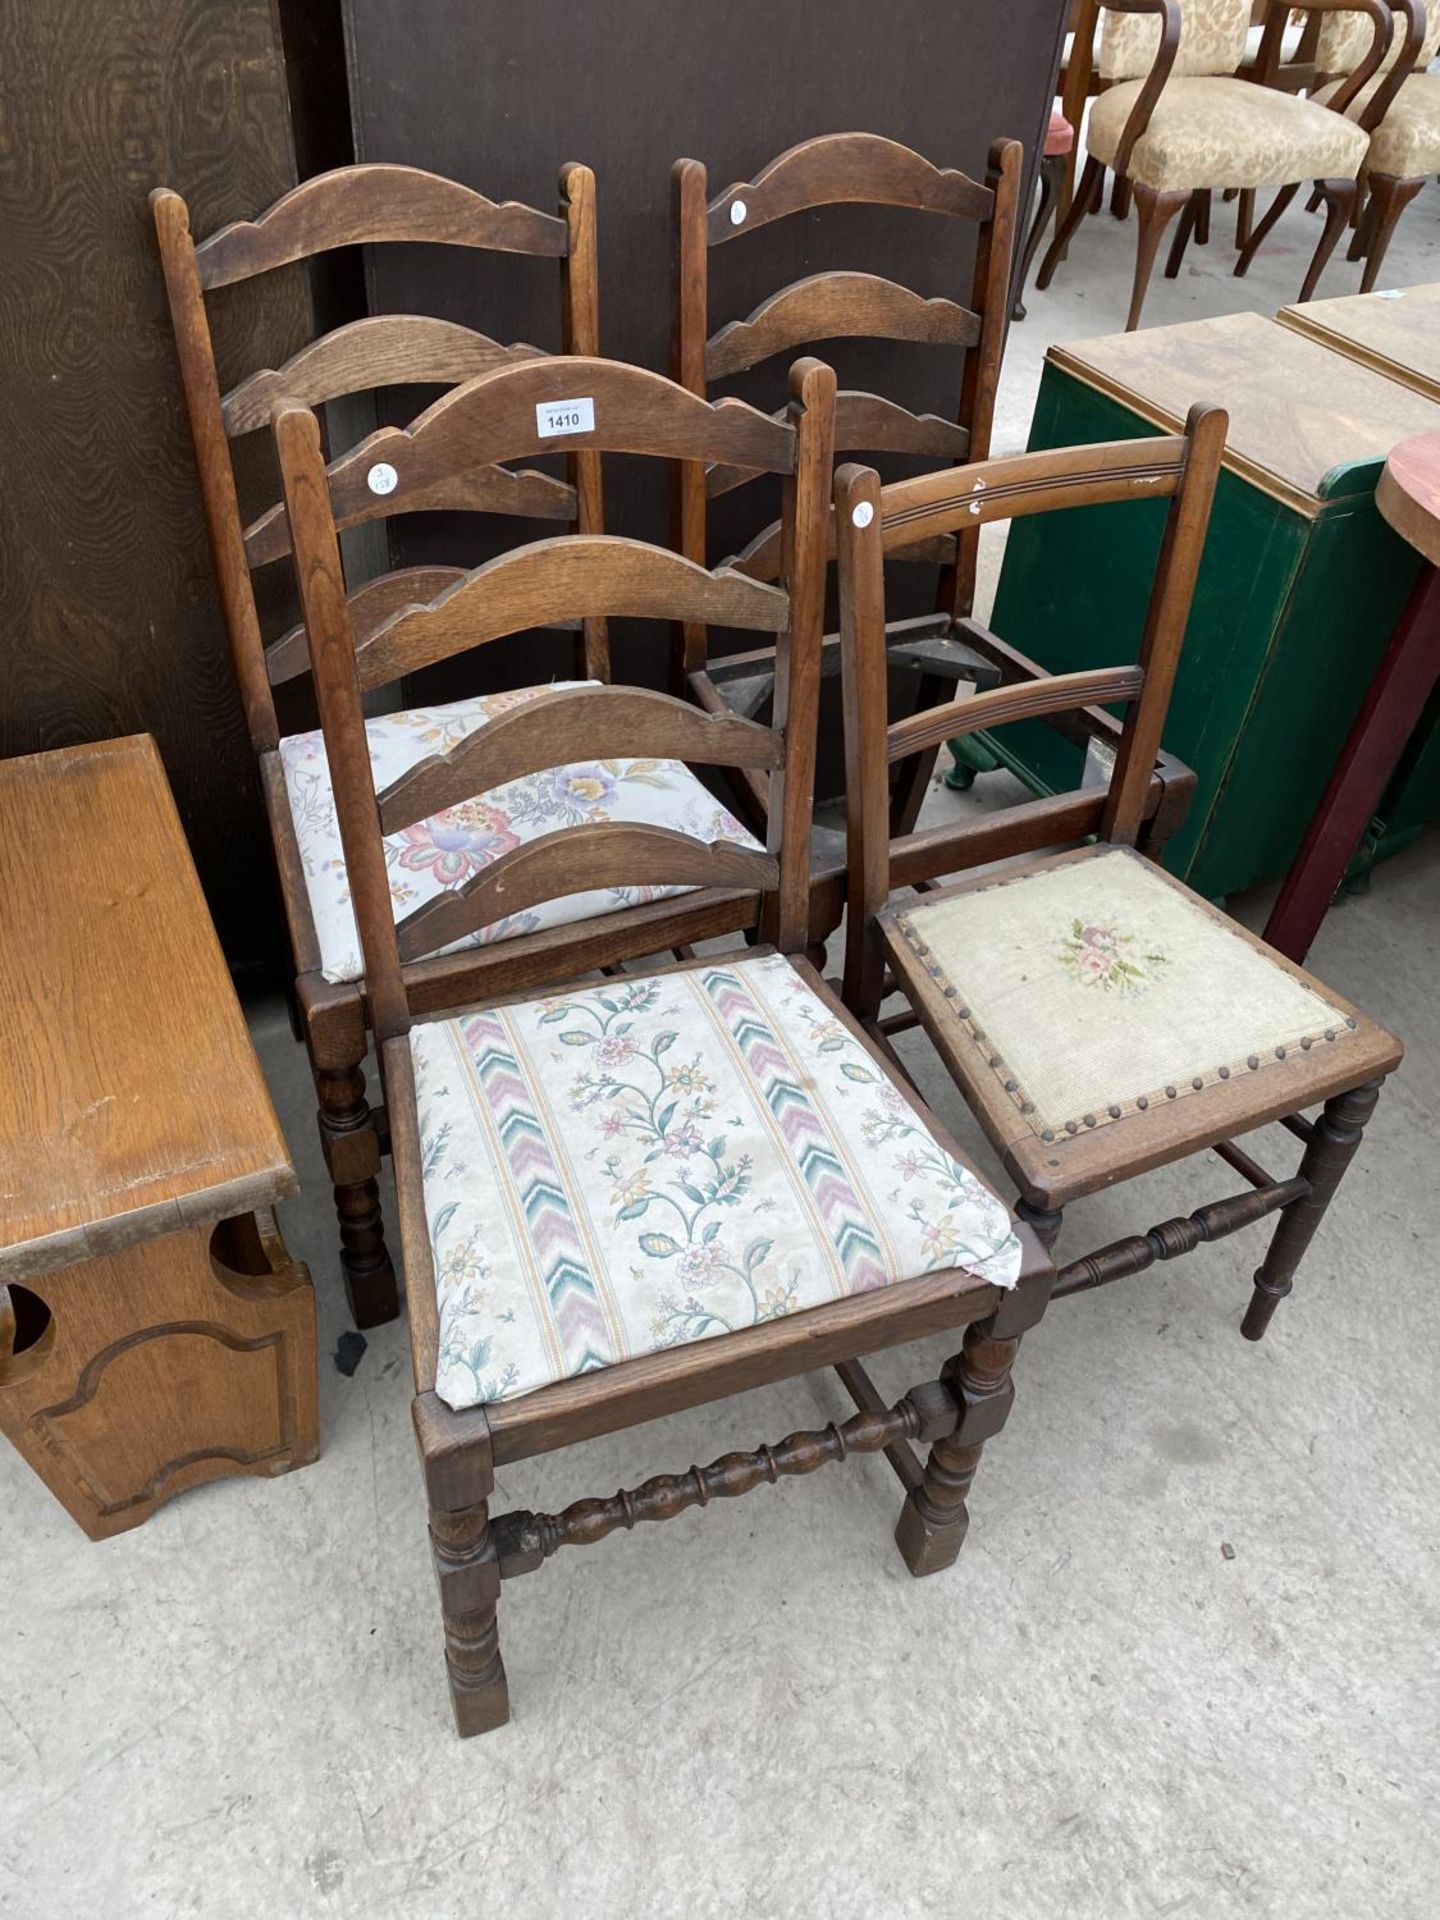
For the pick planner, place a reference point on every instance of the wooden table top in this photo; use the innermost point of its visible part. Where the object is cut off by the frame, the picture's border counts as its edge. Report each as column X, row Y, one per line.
column 1396, row 333
column 133, row 1102
column 1409, row 494
column 1297, row 410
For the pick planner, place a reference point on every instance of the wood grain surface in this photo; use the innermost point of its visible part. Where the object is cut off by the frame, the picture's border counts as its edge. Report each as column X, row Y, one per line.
column 111, row 623
column 1396, row 333
column 1297, row 411
column 134, row 1104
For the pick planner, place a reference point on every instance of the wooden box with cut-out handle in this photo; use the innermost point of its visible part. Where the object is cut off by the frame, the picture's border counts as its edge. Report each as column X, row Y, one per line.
column 154, row 1332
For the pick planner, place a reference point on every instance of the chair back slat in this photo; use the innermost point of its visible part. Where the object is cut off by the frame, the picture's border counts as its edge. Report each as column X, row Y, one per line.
column 575, row 724
column 383, row 350
column 551, row 581
column 844, row 168
column 1059, row 693
column 864, row 422
column 370, row 607
column 1011, row 489
column 835, row 306
column 579, row 860
column 356, row 206
column 524, row 493
column 518, row 412
column 868, row 520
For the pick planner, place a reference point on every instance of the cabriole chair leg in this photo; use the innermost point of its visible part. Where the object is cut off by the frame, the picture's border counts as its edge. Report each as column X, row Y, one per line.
column 1328, row 1152
column 1157, row 210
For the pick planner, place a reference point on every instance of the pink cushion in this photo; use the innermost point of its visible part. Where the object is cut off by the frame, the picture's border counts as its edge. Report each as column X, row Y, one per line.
column 1059, row 135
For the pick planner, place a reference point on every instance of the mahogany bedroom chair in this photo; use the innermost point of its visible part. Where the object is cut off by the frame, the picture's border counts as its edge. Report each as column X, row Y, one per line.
column 1177, row 120
column 354, row 206
column 1400, row 111
column 1099, row 1018
column 664, row 1186
column 838, row 170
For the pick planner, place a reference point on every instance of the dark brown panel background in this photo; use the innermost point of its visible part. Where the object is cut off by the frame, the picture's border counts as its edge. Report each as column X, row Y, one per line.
column 498, row 95
column 109, row 622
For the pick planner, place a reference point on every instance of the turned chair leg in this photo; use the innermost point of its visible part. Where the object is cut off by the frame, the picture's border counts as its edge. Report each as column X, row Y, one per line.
column 935, row 1517
column 1044, row 1223
column 1157, row 210
column 1092, row 178
column 459, row 1479
column 1389, row 198
column 1328, row 1152
column 1340, row 198
column 352, row 1154
column 1257, row 235
column 1052, row 176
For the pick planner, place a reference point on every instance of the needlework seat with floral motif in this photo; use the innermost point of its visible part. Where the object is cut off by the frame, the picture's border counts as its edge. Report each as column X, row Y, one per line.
column 1087, row 998
column 657, row 1159
column 446, row 851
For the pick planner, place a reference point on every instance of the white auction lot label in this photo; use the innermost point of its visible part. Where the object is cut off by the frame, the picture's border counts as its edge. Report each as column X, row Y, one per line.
column 555, row 417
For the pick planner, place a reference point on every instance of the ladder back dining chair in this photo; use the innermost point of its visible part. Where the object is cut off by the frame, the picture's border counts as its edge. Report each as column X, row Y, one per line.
column 845, row 169
column 657, row 1188
column 1099, row 1018
column 349, row 207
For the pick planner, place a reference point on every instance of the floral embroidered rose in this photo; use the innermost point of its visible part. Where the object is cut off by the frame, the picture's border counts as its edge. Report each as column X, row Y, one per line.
column 1104, row 957
column 458, row 842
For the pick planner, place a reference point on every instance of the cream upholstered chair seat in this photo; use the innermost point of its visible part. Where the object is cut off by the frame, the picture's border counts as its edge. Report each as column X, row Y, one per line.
column 652, row 1160
column 1088, row 998
column 1225, row 132
column 1407, row 141
column 444, row 852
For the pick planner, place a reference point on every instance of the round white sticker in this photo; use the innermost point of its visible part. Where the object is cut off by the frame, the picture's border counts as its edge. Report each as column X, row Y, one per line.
column 382, row 478
column 863, row 513
column 738, row 211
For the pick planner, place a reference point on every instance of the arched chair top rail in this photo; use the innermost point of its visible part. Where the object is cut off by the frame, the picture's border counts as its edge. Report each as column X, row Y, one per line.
column 603, row 723
column 580, row 859
column 382, row 350
column 844, row 168
column 868, row 423
column 1027, row 483
column 374, row 201
column 510, row 415
column 835, row 306
column 526, row 493
column 573, row 576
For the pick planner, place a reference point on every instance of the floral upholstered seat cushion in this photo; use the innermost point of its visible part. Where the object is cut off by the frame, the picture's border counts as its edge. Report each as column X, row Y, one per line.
column 445, row 851
column 1226, row 133
column 654, row 1160
column 1091, row 989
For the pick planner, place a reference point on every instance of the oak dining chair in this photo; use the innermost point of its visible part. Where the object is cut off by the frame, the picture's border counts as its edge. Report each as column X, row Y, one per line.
column 349, row 207
column 1099, row 1018
column 835, row 170
column 651, row 1189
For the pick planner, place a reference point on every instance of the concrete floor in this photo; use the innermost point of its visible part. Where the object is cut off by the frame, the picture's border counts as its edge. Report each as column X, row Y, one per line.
column 1185, row 1665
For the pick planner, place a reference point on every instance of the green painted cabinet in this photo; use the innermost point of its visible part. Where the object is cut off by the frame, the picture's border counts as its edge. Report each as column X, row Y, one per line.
column 1298, row 591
